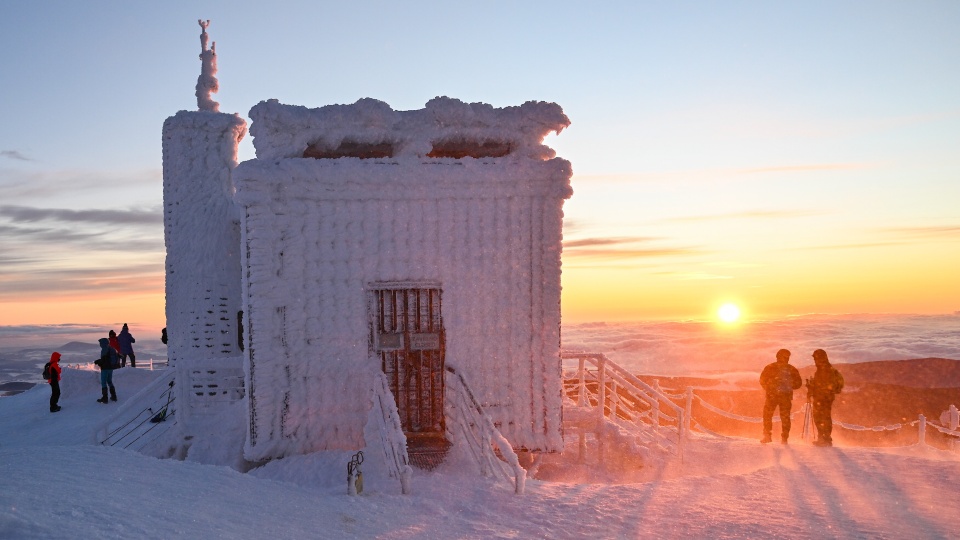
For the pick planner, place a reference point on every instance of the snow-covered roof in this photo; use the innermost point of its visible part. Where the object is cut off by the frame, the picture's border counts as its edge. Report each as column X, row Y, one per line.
column 445, row 127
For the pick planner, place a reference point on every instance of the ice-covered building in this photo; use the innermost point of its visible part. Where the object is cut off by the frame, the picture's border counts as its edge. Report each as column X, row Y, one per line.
column 363, row 239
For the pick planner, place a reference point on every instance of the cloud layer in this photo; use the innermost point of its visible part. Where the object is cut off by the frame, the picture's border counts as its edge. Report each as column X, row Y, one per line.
column 688, row 348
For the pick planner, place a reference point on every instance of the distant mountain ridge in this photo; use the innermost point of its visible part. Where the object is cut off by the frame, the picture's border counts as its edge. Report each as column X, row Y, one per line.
column 916, row 373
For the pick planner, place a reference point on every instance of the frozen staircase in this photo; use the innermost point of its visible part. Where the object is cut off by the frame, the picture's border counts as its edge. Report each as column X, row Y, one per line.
column 603, row 397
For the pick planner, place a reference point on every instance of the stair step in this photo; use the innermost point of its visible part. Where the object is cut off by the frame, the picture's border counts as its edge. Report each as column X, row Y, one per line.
column 427, row 451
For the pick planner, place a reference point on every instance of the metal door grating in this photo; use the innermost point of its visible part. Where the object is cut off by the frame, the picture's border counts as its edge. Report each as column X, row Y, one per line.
column 408, row 334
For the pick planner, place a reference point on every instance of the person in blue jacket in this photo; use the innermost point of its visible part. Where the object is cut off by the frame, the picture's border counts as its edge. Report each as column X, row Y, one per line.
column 109, row 361
column 126, row 341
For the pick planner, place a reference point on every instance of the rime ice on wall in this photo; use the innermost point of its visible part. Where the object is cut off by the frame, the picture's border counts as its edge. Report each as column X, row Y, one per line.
column 207, row 83
column 202, row 235
column 318, row 234
column 286, row 131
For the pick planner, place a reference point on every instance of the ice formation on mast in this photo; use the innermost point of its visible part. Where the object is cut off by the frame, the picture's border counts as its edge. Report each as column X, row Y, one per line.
column 202, row 237
column 207, row 83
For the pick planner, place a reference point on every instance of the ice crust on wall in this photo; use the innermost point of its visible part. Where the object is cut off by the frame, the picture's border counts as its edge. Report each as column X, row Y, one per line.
column 285, row 131
column 317, row 233
column 298, row 243
column 202, row 235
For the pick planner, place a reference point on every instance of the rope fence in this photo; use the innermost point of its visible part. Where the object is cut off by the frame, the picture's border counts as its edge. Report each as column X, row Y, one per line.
column 950, row 419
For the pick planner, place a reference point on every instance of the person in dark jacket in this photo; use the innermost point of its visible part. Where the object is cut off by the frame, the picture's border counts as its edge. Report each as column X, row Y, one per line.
column 779, row 380
column 54, row 382
column 822, row 388
column 126, row 341
column 109, row 360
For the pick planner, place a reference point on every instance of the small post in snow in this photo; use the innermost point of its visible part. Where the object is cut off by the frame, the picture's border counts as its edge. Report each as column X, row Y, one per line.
column 687, row 410
column 922, row 425
column 953, row 422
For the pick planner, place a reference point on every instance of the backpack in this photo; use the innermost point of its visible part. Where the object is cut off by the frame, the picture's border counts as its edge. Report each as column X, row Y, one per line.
column 110, row 360
column 47, row 375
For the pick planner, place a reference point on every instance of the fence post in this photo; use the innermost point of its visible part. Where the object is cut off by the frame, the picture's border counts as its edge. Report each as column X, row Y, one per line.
column 582, row 397
column 922, row 430
column 953, row 418
column 602, row 389
column 688, row 409
column 614, row 400
column 601, row 403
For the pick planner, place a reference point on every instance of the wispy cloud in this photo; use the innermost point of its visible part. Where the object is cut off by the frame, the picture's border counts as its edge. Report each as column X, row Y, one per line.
column 926, row 231
column 806, row 168
column 713, row 174
column 620, row 249
column 27, row 214
column 82, row 282
column 13, row 154
column 35, row 186
column 590, row 242
column 693, row 276
column 747, row 214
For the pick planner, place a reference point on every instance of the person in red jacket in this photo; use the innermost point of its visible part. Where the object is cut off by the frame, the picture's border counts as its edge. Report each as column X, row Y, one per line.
column 54, row 381
column 114, row 342
column 779, row 380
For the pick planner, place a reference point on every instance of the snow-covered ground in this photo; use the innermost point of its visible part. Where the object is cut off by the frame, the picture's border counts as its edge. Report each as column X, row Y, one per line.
column 55, row 483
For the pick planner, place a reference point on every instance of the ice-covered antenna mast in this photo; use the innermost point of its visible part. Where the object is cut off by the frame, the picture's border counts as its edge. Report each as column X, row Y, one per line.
column 207, row 83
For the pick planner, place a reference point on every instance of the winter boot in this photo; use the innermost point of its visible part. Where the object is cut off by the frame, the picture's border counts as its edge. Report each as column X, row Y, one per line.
column 766, row 439
column 113, row 393
column 104, row 398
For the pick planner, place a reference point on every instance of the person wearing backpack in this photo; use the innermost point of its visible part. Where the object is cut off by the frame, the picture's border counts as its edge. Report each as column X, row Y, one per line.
column 109, row 361
column 126, row 341
column 779, row 380
column 822, row 388
column 52, row 375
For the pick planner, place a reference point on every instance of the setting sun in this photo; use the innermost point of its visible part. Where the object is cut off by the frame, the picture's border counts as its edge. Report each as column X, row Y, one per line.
column 728, row 313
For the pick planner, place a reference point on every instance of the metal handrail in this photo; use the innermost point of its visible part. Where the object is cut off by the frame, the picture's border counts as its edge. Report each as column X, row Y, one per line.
column 662, row 423
column 482, row 436
column 392, row 440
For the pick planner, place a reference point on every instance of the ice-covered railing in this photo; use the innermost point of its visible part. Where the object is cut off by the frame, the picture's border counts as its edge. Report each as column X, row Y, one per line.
column 392, row 439
column 622, row 398
column 131, row 426
column 488, row 447
column 950, row 419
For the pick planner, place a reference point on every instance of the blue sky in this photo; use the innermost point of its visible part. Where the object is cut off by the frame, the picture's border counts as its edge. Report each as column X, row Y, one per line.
column 790, row 157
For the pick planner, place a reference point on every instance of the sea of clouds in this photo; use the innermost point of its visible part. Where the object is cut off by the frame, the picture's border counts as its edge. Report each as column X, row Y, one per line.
column 704, row 348
column 644, row 347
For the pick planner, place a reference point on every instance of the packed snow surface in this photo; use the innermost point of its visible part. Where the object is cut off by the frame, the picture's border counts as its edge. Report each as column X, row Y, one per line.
column 55, row 483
